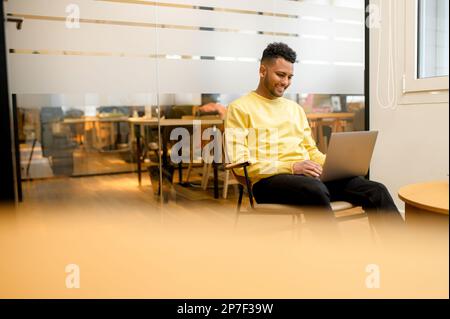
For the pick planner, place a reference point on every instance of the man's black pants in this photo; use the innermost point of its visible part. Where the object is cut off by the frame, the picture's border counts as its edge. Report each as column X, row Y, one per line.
column 307, row 191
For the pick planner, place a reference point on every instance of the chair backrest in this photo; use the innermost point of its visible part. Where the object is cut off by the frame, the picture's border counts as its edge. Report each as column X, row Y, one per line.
column 240, row 179
column 244, row 181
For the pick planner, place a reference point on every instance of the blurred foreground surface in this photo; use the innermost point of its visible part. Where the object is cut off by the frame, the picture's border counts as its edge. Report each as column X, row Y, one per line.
column 127, row 245
column 124, row 255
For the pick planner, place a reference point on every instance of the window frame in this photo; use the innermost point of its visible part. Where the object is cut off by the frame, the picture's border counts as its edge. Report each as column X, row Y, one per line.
column 411, row 82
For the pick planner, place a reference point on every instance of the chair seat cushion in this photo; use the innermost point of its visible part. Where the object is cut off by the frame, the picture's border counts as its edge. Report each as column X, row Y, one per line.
column 335, row 206
column 280, row 209
column 277, row 209
column 340, row 205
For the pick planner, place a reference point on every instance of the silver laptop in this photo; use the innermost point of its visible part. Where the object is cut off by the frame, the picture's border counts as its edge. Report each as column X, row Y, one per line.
column 348, row 155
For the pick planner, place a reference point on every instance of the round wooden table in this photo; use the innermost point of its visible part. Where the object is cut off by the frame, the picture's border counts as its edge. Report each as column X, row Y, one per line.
column 426, row 202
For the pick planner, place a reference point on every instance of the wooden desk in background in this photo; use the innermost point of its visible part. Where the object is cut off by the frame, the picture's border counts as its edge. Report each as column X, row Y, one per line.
column 337, row 121
column 99, row 139
column 140, row 122
column 426, row 203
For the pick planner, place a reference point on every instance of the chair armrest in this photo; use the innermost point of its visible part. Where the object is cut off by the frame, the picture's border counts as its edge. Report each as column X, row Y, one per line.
column 237, row 165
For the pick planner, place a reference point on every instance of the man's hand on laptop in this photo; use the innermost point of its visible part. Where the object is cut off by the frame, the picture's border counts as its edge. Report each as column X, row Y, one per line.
column 308, row 168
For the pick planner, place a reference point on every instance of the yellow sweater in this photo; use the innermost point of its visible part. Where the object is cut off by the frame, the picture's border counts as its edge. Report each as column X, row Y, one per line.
column 271, row 134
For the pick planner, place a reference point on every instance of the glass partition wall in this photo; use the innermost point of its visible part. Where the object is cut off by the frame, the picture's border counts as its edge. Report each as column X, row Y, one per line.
column 78, row 71
column 120, row 86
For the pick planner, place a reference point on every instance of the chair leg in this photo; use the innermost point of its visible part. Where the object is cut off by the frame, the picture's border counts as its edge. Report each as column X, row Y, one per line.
column 241, row 194
column 31, row 157
column 204, row 172
column 249, row 187
column 205, row 178
column 188, row 174
column 225, row 184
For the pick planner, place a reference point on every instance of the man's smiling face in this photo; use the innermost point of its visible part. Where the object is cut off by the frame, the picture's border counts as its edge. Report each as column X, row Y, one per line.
column 276, row 76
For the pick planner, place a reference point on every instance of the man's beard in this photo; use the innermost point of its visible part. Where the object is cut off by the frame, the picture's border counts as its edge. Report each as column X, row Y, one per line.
column 275, row 93
column 272, row 91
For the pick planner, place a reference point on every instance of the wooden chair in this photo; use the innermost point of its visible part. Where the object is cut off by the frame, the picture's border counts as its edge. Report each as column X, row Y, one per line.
column 227, row 179
column 343, row 210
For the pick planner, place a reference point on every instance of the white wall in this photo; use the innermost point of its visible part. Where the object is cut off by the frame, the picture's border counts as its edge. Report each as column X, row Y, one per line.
column 413, row 144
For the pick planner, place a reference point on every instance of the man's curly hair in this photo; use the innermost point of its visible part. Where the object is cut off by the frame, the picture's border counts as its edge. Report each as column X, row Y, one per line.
column 279, row 50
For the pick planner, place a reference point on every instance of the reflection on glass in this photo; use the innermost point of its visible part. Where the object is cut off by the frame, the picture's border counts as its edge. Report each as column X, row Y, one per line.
column 432, row 38
column 76, row 135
